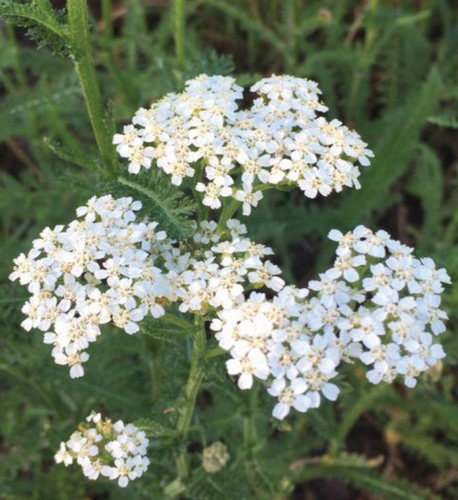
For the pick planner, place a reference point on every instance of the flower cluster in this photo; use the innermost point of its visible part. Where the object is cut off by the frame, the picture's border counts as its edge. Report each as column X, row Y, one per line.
column 99, row 269
column 281, row 140
column 106, row 267
column 396, row 314
column 377, row 304
column 100, row 447
column 270, row 339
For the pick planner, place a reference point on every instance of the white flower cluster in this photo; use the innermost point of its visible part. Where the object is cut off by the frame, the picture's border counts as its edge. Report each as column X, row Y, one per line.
column 98, row 270
column 114, row 450
column 396, row 314
column 377, row 304
column 107, row 268
column 202, row 134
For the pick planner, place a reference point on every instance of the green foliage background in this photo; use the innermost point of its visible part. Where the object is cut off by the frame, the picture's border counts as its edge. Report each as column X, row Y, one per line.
column 388, row 68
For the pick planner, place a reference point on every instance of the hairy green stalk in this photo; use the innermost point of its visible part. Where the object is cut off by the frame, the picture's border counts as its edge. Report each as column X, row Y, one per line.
column 101, row 122
column 195, row 378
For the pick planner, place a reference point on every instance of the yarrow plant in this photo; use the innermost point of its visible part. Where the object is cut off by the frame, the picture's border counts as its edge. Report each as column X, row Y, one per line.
column 377, row 305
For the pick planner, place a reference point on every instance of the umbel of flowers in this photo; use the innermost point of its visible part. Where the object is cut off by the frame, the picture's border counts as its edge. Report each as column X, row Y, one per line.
column 377, row 305
column 282, row 140
column 101, row 447
column 105, row 267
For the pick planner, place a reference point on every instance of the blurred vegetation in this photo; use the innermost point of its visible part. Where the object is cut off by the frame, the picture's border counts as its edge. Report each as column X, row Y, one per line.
column 388, row 68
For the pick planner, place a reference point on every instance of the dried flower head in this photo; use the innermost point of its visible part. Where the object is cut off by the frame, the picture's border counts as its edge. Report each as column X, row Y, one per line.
column 215, row 457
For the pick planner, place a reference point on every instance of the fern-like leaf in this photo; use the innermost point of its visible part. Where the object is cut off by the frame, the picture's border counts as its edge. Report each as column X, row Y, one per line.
column 444, row 121
column 427, row 183
column 70, row 155
column 162, row 201
column 44, row 24
column 384, row 489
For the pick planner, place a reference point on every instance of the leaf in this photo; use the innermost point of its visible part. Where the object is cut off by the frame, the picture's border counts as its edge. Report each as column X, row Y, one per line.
column 392, row 154
column 250, row 24
column 392, row 489
column 153, row 428
column 427, row 183
column 366, row 400
column 71, row 155
column 161, row 331
column 44, row 24
column 444, row 121
column 17, row 107
column 162, row 201
column 388, row 490
column 438, row 454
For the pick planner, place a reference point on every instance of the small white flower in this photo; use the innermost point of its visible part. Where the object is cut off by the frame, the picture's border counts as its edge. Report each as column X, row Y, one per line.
column 247, row 366
column 248, row 198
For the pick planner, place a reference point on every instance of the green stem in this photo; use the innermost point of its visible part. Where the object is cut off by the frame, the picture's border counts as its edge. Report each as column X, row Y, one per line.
column 251, row 441
column 18, row 69
column 366, row 401
column 179, row 31
column 195, row 378
column 21, row 78
column 228, row 212
column 109, row 53
column 107, row 9
column 153, row 361
column 101, row 122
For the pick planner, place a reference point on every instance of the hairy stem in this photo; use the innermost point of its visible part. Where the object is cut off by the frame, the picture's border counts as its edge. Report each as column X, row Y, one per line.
column 101, row 122
column 195, row 378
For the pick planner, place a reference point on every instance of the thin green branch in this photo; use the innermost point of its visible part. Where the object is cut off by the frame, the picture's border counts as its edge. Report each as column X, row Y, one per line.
column 107, row 14
column 102, row 123
column 195, row 378
column 228, row 212
column 366, row 401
